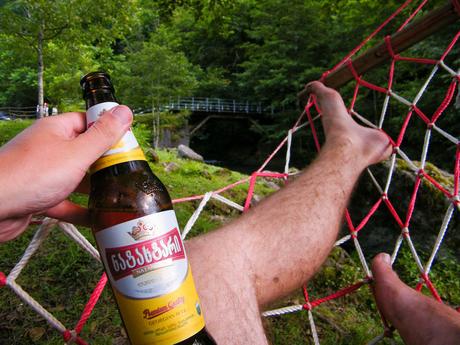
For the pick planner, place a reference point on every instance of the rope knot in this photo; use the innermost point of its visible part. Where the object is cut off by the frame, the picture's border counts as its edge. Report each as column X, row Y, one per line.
column 307, row 306
column 405, row 231
column 2, row 279
column 70, row 336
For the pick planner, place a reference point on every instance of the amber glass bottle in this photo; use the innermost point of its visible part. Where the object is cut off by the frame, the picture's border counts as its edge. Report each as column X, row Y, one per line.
column 138, row 238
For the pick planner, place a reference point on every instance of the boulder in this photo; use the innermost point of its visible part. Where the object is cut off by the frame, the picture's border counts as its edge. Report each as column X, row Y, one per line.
column 171, row 166
column 187, row 153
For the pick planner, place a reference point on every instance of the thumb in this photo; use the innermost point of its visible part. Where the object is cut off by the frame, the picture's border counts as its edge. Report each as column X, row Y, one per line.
column 104, row 133
column 382, row 271
column 386, row 285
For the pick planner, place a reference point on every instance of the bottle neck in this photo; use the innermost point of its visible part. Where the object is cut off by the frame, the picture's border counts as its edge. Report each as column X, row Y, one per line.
column 99, row 96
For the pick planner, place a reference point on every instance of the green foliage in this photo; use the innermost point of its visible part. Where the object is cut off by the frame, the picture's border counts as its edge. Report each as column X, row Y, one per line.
column 9, row 129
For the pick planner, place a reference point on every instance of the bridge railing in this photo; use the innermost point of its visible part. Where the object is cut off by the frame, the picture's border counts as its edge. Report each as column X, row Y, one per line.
column 19, row 112
column 213, row 105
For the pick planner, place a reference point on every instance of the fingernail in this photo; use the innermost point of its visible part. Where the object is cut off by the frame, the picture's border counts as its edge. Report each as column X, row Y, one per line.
column 123, row 113
column 386, row 258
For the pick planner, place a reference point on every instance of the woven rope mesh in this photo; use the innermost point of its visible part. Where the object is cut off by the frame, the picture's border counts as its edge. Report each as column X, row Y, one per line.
column 374, row 99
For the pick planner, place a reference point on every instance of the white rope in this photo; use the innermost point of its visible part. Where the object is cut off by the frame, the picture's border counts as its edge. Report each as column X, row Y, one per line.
column 390, row 173
column 313, row 328
column 426, row 144
column 413, row 251
column 361, row 257
column 448, row 69
column 400, row 99
column 442, row 232
column 425, row 85
column 282, row 311
column 33, row 246
column 227, row 202
column 342, row 240
column 396, row 249
column 411, row 164
column 288, row 152
column 196, row 214
column 446, row 135
column 384, row 110
column 36, row 306
column 364, row 120
column 71, row 231
column 374, row 181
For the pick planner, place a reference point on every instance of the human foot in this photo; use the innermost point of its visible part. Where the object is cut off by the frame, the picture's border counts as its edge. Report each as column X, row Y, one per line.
column 339, row 126
column 418, row 318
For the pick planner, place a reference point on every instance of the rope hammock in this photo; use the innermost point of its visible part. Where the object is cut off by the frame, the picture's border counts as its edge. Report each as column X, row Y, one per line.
column 340, row 74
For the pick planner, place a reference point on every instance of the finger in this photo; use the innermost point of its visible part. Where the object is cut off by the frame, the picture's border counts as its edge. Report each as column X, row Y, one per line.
column 382, row 271
column 72, row 123
column 103, row 134
column 12, row 227
column 69, row 212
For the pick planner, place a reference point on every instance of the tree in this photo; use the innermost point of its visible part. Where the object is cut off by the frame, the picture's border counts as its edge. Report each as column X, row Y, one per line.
column 153, row 75
column 69, row 22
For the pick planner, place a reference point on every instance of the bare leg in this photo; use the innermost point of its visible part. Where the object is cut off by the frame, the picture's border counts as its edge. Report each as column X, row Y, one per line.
column 281, row 243
column 418, row 318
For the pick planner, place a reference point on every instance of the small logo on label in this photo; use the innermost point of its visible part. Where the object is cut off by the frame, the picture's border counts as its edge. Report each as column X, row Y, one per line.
column 142, row 231
column 150, row 314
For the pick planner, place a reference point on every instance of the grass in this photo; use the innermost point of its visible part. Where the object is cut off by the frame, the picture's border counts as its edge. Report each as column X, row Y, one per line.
column 61, row 276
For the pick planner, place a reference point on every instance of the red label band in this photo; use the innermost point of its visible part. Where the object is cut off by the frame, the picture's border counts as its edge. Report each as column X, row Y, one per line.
column 146, row 256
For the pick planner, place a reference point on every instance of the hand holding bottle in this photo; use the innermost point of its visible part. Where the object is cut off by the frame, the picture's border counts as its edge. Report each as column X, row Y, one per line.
column 41, row 166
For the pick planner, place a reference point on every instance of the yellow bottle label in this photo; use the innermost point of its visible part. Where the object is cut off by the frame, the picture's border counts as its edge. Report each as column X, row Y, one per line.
column 147, row 266
column 127, row 149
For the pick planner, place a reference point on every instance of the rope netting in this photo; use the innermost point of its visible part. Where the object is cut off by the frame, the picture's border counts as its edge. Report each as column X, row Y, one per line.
column 307, row 121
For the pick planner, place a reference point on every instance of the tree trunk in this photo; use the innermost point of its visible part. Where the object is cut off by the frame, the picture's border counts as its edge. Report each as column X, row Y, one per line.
column 154, row 127
column 41, row 111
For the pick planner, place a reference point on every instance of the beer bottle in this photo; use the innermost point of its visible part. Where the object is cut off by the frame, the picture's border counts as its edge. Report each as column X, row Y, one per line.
column 138, row 238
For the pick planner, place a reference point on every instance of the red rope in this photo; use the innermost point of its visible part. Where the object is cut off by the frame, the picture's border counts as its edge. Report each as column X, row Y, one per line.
column 408, row 20
column 335, row 295
column 411, row 207
column 355, row 96
column 369, row 215
column 252, row 184
column 313, row 130
column 431, row 287
column 456, row 4
column 452, row 43
column 351, row 227
column 457, row 170
column 368, row 38
column 417, row 60
column 67, row 335
column 91, row 303
column 421, row 115
column 437, row 184
column 446, row 101
column 404, row 128
column 393, row 212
